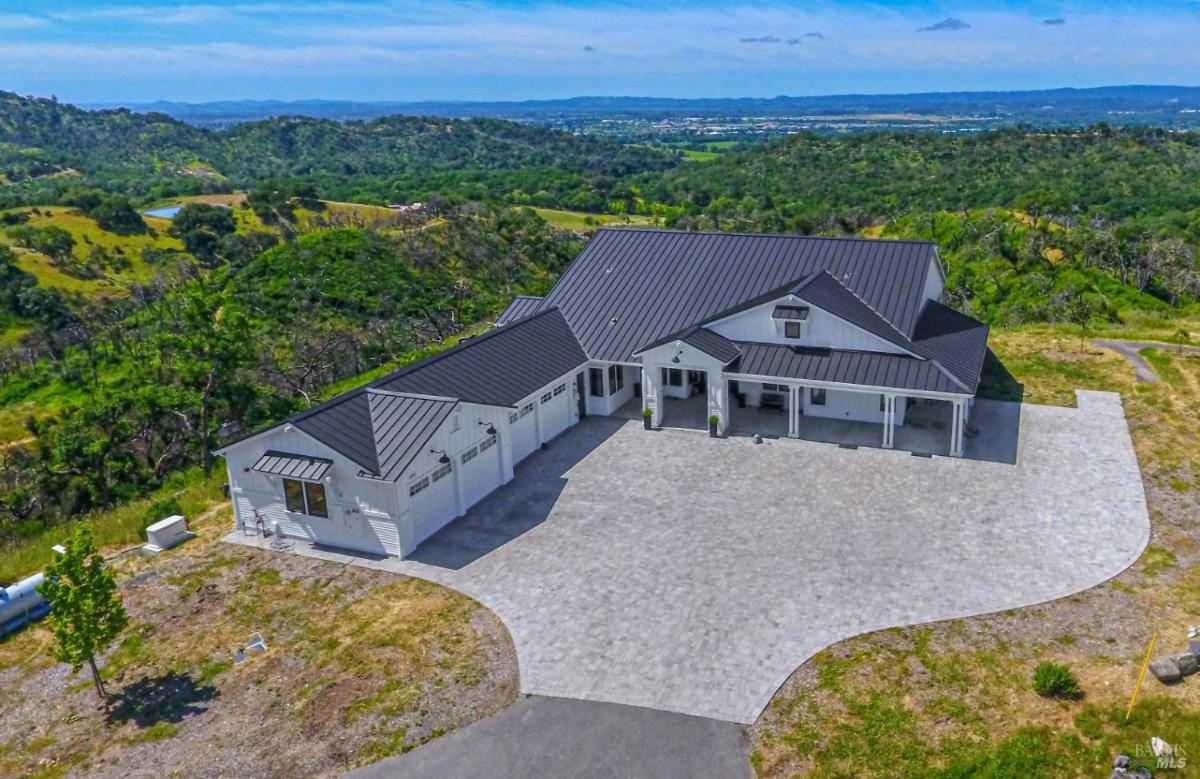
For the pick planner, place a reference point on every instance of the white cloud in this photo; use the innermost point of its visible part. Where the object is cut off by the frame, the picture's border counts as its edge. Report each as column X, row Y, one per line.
column 475, row 49
column 20, row 22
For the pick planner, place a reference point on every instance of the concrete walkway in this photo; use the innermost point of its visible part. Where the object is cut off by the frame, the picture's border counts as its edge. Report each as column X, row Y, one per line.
column 560, row 737
column 1130, row 351
column 674, row 571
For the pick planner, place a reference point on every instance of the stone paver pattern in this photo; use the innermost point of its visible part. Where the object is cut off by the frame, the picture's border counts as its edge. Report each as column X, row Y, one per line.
column 674, row 571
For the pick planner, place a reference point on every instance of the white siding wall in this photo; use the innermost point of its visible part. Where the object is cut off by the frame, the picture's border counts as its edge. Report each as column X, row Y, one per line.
column 823, row 329
column 466, row 482
column 839, row 404
column 858, row 406
column 690, row 358
column 610, row 401
column 363, row 514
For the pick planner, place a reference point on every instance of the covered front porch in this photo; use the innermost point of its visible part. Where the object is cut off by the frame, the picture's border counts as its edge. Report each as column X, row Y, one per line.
column 848, row 417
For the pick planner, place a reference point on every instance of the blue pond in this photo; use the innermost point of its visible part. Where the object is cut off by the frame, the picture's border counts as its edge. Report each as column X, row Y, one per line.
column 164, row 213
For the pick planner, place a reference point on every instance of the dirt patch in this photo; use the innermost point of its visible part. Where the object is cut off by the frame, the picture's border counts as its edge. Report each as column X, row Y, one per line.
column 360, row 665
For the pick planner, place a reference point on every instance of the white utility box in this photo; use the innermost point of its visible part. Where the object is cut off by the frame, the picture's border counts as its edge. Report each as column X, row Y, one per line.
column 167, row 533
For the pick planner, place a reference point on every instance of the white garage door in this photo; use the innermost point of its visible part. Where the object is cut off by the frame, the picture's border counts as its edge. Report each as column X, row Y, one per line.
column 479, row 470
column 556, row 410
column 432, row 499
column 524, row 430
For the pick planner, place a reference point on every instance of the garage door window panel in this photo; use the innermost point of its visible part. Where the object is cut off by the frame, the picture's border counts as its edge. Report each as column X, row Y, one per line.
column 417, row 486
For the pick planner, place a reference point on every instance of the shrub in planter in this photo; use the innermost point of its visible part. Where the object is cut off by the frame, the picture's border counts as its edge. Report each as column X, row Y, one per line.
column 1055, row 680
column 647, row 414
column 713, row 421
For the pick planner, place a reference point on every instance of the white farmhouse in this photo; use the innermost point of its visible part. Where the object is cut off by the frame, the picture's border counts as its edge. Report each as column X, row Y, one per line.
column 771, row 334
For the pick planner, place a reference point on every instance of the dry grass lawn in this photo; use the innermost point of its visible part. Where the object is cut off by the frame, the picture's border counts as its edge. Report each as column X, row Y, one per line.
column 360, row 665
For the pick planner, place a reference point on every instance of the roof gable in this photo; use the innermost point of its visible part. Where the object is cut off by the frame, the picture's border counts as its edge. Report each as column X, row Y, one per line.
column 632, row 287
column 403, row 424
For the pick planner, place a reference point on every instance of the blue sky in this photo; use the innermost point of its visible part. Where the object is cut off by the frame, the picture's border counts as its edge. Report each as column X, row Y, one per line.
column 130, row 50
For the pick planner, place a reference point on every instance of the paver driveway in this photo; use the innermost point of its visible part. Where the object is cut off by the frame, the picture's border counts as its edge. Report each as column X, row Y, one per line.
column 674, row 571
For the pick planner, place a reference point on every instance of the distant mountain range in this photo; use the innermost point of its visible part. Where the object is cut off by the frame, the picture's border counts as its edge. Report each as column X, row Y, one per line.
column 1169, row 106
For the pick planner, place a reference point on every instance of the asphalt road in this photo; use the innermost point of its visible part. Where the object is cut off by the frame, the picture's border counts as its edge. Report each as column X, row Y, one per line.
column 1129, row 350
column 560, row 737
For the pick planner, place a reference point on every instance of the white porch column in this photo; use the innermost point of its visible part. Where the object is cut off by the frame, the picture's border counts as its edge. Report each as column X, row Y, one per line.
column 956, row 428
column 650, row 393
column 889, row 421
column 793, row 410
column 717, row 405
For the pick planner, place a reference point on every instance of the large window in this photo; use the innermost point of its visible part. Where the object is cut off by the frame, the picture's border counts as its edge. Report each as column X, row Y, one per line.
column 305, row 497
column 616, row 378
column 816, row 396
column 672, row 377
column 596, row 382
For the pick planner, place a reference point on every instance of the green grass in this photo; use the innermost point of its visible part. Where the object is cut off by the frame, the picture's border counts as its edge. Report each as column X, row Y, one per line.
column 159, row 731
column 116, row 527
column 579, row 220
column 691, row 155
column 87, row 234
column 1157, row 559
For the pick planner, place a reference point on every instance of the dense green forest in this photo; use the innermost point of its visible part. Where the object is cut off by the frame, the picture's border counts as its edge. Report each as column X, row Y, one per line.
column 146, row 394
column 45, row 144
column 1027, row 222
column 230, row 317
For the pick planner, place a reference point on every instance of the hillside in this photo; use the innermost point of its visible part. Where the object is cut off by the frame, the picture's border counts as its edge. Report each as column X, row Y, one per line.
column 392, row 158
column 115, row 410
column 1033, row 226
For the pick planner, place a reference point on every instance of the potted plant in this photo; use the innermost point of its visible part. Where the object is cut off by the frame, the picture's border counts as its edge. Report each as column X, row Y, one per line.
column 647, row 414
column 713, row 421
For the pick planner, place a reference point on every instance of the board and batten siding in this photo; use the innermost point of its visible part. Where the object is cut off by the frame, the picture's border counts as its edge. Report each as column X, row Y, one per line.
column 824, row 330
column 363, row 514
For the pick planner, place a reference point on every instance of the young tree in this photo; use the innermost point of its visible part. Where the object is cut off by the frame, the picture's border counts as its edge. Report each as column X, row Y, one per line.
column 85, row 613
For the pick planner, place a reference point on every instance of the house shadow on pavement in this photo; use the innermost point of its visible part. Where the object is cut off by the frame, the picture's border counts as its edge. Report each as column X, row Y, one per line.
column 519, row 506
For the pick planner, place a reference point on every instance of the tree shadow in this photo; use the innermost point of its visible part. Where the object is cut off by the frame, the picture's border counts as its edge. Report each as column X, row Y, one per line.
column 169, row 698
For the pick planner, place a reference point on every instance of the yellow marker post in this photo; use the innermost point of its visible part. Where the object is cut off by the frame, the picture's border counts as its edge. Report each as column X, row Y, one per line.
column 1145, row 664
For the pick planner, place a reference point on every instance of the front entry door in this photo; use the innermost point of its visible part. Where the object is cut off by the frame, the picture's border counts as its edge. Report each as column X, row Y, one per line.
column 580, row 396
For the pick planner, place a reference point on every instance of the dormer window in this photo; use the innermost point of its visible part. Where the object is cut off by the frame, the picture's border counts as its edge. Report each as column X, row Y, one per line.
column 793, row 320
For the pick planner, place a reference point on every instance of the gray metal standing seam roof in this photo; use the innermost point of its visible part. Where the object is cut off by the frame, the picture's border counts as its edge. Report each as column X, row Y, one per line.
column 380, row 431
column 842, row 366
column 497, row 368
column 520, row 307
column 955, row 340
column 383, row 426
column 798, row 313
column 297, row 466
column 630, row 287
